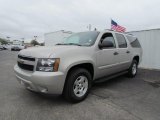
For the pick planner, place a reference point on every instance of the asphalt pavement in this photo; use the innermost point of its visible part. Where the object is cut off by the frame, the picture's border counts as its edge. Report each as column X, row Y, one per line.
column 121, row 98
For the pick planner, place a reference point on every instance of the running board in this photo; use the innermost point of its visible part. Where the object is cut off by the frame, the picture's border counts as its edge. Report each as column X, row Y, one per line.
column 103, row 79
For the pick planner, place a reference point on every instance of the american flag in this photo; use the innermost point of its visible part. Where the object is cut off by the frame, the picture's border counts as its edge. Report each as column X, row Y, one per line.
column 116, row 27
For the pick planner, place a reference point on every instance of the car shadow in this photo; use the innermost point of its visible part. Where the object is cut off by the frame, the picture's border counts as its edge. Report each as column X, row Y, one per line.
column 49, row 98
column 111, row 82
column 59, row 99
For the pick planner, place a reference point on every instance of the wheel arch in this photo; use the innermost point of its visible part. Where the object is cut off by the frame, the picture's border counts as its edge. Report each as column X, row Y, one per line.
column 88, row 66
column 136, row 57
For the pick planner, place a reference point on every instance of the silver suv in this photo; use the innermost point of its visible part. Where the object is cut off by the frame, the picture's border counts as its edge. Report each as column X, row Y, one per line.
column 70, row 68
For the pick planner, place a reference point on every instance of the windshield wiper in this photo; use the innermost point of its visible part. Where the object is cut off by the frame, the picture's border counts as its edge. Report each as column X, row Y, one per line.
column 74, row 44
column 60, row 44
column 68, row 44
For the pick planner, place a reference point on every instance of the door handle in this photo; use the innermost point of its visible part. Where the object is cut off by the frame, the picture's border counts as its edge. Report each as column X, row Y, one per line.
column 127, row 51
column 115, row 53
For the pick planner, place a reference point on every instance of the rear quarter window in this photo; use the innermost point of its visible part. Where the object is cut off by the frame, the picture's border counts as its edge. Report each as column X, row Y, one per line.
column 134, row 42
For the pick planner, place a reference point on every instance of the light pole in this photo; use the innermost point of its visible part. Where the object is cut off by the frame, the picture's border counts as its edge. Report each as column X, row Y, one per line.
column 8, row 38
column 35, row 37
column 89, row 27
column 22, row 40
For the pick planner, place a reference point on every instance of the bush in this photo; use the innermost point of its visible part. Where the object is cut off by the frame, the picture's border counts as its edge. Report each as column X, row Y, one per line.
column 3, row 41
column 34, row 42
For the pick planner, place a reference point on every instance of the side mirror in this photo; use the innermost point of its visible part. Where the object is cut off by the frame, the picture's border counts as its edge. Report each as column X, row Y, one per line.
column 106, row 44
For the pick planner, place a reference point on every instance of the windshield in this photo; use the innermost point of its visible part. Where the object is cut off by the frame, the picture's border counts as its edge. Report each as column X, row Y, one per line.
column 82, row 39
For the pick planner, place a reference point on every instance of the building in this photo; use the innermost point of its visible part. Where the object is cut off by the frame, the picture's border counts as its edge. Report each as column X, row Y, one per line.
column 150, row 42
column 53, row 38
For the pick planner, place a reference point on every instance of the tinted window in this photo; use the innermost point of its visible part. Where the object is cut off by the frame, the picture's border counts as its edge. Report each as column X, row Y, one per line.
column 121, row 41
column 108, row 37
column 134, row 42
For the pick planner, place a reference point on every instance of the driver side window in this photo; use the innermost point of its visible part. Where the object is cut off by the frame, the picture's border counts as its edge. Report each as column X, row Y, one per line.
column 108, row 37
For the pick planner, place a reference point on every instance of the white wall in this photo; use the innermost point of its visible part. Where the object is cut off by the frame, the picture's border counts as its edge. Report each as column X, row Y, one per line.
column 55, row 37
column 150, row 42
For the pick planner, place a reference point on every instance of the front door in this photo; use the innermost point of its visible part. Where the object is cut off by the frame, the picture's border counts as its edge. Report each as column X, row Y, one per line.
column 107, row 57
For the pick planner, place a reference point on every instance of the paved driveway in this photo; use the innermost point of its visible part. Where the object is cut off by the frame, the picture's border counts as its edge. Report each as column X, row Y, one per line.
column 121, row 98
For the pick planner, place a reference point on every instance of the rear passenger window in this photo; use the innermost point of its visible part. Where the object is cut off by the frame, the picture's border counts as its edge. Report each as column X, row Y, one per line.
column 134, row 42
column 121, row 40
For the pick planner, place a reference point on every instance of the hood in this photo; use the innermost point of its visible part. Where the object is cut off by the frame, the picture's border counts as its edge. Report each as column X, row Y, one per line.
column 47, row 52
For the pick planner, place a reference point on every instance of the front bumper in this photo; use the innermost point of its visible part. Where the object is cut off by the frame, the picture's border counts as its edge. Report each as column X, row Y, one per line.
column 45, row 82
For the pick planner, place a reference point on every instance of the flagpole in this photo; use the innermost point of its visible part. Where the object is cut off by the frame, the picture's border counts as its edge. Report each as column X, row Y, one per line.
column 111, row 23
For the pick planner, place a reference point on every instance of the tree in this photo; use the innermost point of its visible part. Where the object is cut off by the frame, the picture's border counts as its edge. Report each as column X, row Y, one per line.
column 34, row 42
column 3, row 41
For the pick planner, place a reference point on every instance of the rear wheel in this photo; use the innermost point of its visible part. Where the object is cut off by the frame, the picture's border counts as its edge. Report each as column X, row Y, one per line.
column 133, row 68
column 78, row 85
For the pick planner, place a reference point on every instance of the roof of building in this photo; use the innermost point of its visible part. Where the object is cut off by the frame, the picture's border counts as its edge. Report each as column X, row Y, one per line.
column 63, row 31
column 144, row 30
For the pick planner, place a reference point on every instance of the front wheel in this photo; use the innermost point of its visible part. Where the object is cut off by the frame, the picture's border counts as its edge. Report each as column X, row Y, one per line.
column 133, row 69
column 78, row 85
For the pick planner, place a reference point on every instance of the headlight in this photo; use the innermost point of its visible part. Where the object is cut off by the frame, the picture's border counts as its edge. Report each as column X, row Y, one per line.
column 48, row 64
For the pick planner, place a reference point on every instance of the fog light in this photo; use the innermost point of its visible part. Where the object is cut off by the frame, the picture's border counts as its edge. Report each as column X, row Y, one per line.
column 43, row 90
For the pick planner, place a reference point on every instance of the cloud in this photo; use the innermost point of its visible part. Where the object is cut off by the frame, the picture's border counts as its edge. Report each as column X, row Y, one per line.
column 26, row 18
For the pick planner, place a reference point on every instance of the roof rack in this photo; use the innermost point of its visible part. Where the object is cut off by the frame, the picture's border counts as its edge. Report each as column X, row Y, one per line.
column 109, row 29
column 129, row 34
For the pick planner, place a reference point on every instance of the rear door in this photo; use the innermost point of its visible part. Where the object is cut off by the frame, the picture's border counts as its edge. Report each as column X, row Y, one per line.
column 124, row 59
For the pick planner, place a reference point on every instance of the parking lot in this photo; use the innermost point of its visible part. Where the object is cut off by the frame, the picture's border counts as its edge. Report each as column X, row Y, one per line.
column 121, row 98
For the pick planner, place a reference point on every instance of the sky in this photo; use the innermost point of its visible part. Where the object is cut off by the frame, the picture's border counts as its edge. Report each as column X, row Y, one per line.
column 28, row 18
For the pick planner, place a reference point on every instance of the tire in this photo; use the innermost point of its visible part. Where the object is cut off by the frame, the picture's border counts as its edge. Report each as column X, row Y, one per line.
column 78, row 79
column 132, row 72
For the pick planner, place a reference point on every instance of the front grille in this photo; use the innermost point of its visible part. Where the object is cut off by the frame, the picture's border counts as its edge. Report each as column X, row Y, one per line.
column 26, row 63
column 26, row 58
column 25, row 66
